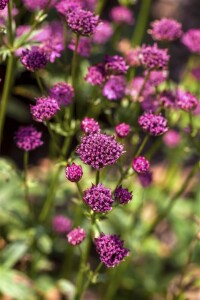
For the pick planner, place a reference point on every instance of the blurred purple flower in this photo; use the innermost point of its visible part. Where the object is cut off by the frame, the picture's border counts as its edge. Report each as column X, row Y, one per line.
column 114, row 89
column 121, row 14
column 61, row 224
column 122, row 130
column 104, row 32
column 191, row 39
column 165, row 30
column 84, row 46
column 28, row 138
column 63, row 93
column 172, row 138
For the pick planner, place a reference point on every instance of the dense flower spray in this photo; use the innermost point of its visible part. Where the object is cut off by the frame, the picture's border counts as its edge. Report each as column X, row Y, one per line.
column 63, row 93
column 61, row 224
column 74, row 172
column 33, row 59
column 153, row 124
column 76, row 236
column 45, row 109
column 165, row 30
column 28, row 138
column 89, row 125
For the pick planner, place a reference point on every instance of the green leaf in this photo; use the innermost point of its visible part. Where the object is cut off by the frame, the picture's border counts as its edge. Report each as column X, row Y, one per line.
column 12, row 253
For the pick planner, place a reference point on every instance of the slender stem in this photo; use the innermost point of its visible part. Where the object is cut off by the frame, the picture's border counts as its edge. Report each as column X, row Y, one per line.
column 90, row 279
column 26, row 191
column 191, row 123
column 141, row 147
column 39, row 82
column 10, row 30
column 97, row 177
column 79, row 189
column 53, row 138
column 141, row 22
column 5, row 95
column 74, row 61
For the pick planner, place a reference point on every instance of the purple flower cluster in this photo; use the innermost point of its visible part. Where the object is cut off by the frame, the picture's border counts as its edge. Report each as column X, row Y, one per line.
column 122, row 130
column 145, row 179
column 99, row 150
column 167, row 98
column 63, row 93
column 74, row 172
column 122, row 195
column 61, row 224
column 37, row 4
column 64, row 6
column 140, row 164
column 154, row 58
column 153, row 124
column 45, row 109
column 165, row 30
column 82, row 22
column 33, row 59
column 28, row 138
column 172, row 138
column 89, row 125
column 185, row 100
column 98, row 198
column 191, row 39
column 157, row 77
column 103, row 33
column 110, row 249
column 84, row 46
column 114, row 89
column 121, row 14
column 3, row 4
column 96, row 75
column 76, row 236
column 115, row 65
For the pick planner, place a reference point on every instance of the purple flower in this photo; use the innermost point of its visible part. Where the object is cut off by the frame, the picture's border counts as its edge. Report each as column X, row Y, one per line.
column 63, row 93
column 61, row 224
column 121, row 14
column 104, row 32
column 3, row 4
column 84, row 46
column 165, row 30
column 150, row 103
column 153, row 124
column 82, row 22
column 76, row 236
column 74, row 172
column 114, row 89
column 115, row 65
column 89, row 125
column 172, row 138
column 110, row 249
column 145, row 179
column 167, row 99
column 157, row 77
column 186, row 101
column 154, row 58
column 99, row 150
column 98, row 198
column 122, row 130
column 134, row 89
column 33, row 59
column 64, row 6
column 140, row 164
column 96, row 74
column 28, row 138
column 191, row 39
column 123, row 196
column 45, row 109
column 38, row 4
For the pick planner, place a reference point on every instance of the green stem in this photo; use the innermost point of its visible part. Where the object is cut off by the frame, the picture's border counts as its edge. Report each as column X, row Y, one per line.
column 79, row 189
column 97, row 177
column 74, row 61
column 100, row 6
column 141, row 147
column 141, row 22
column 54, row 139
column 39, row 82
column 90, row 279
column 26, row 191
column 5, row 95
column 10, row 30
column 191, row 123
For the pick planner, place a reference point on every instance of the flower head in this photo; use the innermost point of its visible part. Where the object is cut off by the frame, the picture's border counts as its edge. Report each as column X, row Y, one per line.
column 45, row 109
column 172, row 138
column 64, row 6
column 84, row 46
column 76, row 236
column 99, row 150
column 121, row 14
column 154, row 58
column 121, row 195
column 82, row 22
column 28, row 138
column 153, row 124
column 61, row 224
column 186, row 101
column 33, row 59
column 99, row 198
column 110, row 249
column 38, row 4
column 122, row 130
column 191, row 39
column 157, row 77
column 145, row 179
column 3, row 4
column 167, row 98
column 103, row 33
column 114, row 89
column 74, row 172
column 96, row 74
column 140, row 164
column 63, row 93
column 115, row 65
column 89, row 125
column 165, row 30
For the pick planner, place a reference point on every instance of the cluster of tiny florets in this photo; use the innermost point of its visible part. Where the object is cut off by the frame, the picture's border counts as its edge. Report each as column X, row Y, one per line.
column 63, row 93
column 28, row 138
column 82, row 22
column 167, row 98
column 74, row 172
column 104, row 32
column 3, row 4
column 153, row 124
column 76, row 236
column 114, row 89
column 96, row 74
column 191, row 39
column 98, row 198
column 185, row 100
column 154, row 58
column 99, row 150
column 44, row 109
column 89, row 125
column 61, row 224
column 122, row 195
column 122, row 130
column 122, row 15
column 33, row 59
column 165, row 30
column 140, row 164
column 115, row 65
column 110, row 249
